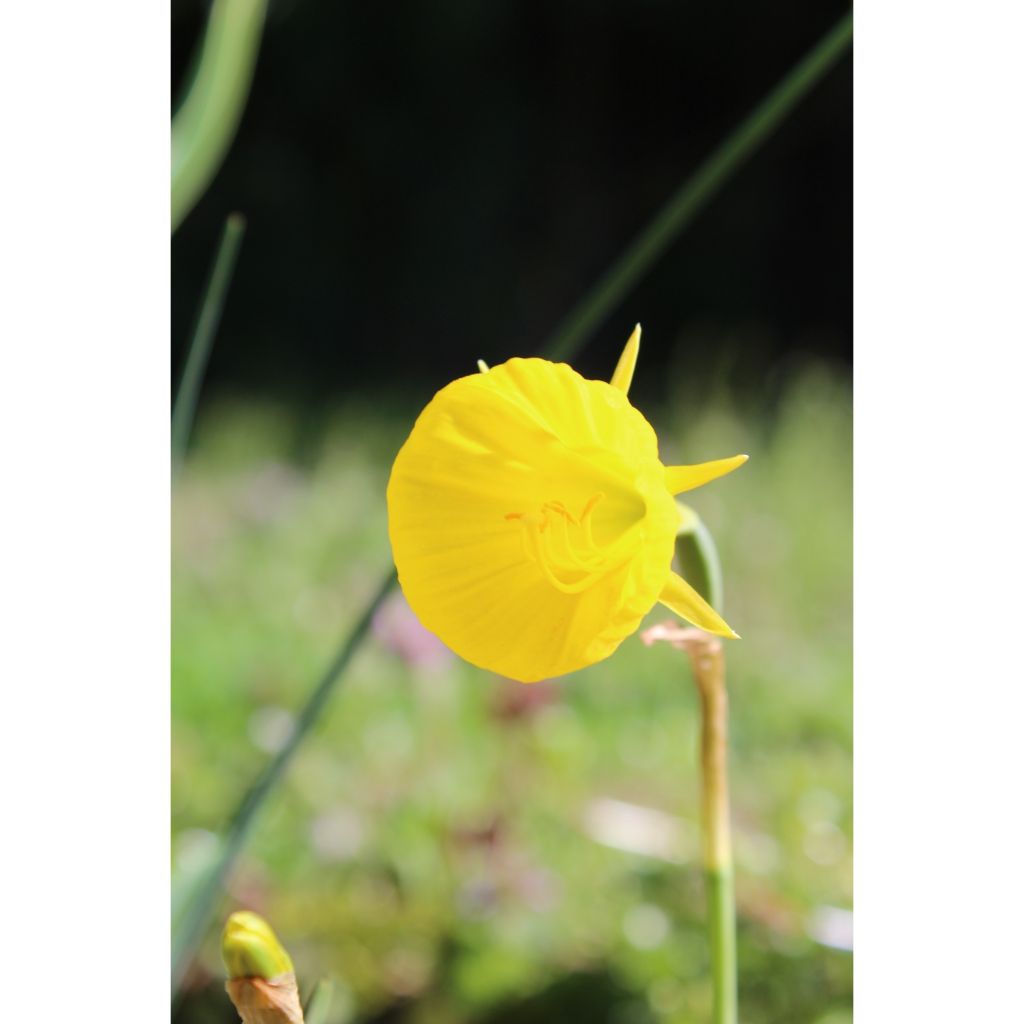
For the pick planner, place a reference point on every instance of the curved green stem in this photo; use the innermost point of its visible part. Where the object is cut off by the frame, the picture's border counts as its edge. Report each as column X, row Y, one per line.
column 208, row 117
column 687, row 202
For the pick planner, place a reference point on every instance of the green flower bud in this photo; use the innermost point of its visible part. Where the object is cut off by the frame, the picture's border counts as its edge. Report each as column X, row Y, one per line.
column 698, row 557
column 250, row 948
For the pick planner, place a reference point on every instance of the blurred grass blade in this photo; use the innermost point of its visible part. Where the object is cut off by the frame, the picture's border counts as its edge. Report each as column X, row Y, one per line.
column 191, row 874
column 184, row 410
column 208, row 117
column 320, row 1002
column 645, row 249
column 192, row 925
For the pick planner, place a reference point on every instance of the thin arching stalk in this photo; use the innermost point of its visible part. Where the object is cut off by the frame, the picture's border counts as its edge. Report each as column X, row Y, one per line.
column 184, row 409
column 644, row 251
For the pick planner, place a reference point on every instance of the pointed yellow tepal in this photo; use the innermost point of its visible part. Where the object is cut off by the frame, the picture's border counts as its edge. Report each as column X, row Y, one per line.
column 685, row 478
column 680, row 597
column 250, row 948
column 623, row 375
column 532, row 521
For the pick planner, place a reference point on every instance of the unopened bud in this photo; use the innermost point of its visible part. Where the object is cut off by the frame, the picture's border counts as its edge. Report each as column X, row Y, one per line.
column 250, row 948
column 261, row 978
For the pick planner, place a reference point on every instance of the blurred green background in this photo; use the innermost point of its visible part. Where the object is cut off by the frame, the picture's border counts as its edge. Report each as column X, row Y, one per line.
column 455, row 847
column 429, row 185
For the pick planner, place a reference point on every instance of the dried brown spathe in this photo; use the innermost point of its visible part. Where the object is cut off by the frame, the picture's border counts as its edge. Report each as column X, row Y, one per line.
column 266, row 1001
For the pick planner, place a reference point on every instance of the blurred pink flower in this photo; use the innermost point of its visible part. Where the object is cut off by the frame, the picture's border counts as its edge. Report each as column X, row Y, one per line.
column 513, row 701
column 399, row 631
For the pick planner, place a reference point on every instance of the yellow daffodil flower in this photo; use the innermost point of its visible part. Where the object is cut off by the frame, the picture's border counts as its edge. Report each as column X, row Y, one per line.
column 532, row 522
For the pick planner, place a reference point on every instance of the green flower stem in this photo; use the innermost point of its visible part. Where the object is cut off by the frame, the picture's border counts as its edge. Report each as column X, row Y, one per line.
column 708, row 661
column 688, row 201
column 184, row 409
column 194, row 919
column 208, row 117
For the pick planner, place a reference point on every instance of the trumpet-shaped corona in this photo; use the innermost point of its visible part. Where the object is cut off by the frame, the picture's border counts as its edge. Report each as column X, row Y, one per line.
column 532, row 522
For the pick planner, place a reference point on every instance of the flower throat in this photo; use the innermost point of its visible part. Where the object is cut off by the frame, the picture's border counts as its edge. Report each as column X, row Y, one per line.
column 563, row 545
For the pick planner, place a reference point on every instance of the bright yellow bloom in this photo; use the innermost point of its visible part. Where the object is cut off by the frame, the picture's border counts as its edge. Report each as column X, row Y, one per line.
column 532, row 522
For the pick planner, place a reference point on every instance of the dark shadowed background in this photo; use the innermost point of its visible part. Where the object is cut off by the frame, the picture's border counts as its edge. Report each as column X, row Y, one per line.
column 431, row 183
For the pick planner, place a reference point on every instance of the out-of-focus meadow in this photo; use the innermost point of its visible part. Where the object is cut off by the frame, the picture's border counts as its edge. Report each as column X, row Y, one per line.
column 454, row 847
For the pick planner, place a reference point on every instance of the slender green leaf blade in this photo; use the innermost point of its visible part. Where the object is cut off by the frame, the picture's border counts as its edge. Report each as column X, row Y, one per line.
column 210, row 310
column 694, row 194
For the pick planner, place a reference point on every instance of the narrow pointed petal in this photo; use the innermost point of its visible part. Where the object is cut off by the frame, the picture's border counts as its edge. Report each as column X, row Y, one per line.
column 686, row 478
column 680, row 597
column 623, row 375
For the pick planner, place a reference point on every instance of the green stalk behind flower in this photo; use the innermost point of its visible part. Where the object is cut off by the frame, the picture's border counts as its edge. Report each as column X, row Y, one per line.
column 698, row 557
